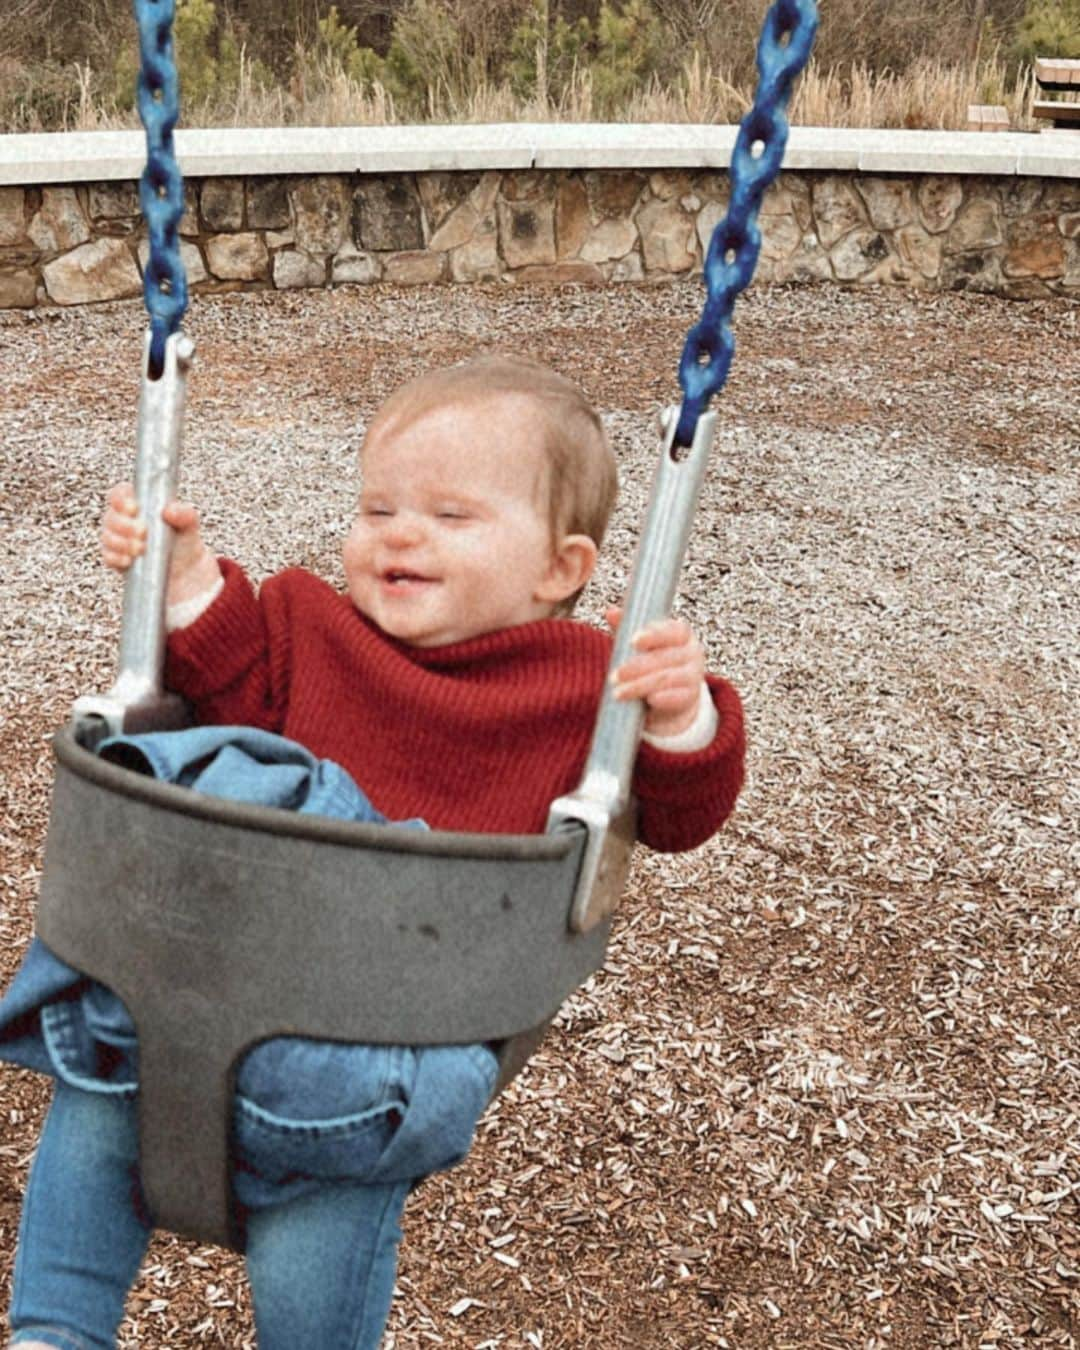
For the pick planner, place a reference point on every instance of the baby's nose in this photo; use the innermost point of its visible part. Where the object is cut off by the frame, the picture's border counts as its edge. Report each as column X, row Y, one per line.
column 404, row 528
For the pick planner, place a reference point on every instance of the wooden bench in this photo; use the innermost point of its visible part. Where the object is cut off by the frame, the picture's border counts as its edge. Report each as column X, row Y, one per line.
column 987, row 117
column 1057, row 75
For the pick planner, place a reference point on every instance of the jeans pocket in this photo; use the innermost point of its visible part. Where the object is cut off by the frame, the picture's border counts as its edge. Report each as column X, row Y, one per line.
column 280, row 1150
column 452, row 1086
column 315, row 1112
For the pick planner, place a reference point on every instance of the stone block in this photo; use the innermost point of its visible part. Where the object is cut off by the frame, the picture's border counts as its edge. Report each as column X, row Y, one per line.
column 386, row 215
column 415, row 267
column 780, row 237
column 486, row 192
column 443, row 193
column 798, row 191
column 1035, row 248
column 101, row 270
column 1026, row 288
column 920, row 250
column 939, row 200
column 893, row 271
column 560, row 274
column 858, row 253
column 238, row 257
column 667, row 184
column 614, row 192
column 770, row 270
column 279, row 239
column 320, row 211
column 837, row 209
column 189, row 221
column 667, row 237
column 478, row 260
column 527, row 232
column 809, row 262
column 18, row 290
column 222, row 204
column 977, row 226
column 12, row 216
column 710, row 215
column 295, row 270
column 268, row 204
column 890, row 202
column 609, row 240
column 527, row 185
column 979, row 272
column 1062, row 195
column 630, row 268
column 1071, row 278
column 712, row 185
column 776, row 202
column 59, row 223
column 350, row 265
column 113, row 201
column 190, row 256
column 1020, row 196
column 456, row 229
column 572, row 217
column 1069, row 225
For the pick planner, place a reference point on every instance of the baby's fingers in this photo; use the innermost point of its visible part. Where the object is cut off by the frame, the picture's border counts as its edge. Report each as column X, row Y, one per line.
column 664, row 633
column 123, row 533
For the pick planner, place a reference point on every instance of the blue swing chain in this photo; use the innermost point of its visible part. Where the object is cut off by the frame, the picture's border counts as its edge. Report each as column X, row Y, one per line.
column 161, row 189
column 784, row 49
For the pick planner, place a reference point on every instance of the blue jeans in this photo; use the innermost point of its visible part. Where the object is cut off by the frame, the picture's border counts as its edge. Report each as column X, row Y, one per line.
column 321, row 1246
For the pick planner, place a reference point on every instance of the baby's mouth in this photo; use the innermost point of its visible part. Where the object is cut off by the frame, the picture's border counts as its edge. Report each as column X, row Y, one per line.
column 402, row 577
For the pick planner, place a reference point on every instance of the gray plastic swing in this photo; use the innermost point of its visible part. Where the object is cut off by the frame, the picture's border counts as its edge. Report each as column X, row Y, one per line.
column 221, row 925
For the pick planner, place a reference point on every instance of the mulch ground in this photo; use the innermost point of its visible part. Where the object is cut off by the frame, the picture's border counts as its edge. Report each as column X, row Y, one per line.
column 826, row 1091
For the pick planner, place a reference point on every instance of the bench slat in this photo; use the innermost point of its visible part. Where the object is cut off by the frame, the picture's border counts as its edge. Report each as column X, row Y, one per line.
column 1058, row 111
column 987, row 117
column 1057, row 73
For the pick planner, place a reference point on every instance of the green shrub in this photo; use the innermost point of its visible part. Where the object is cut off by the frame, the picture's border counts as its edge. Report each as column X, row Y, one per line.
column 209, row 57
column 544, row 56
column 1048, row 28
column 630, row 51
column 340, row 50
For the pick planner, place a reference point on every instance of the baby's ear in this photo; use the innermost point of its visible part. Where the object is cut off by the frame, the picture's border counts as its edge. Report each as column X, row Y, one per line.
column 571, row 566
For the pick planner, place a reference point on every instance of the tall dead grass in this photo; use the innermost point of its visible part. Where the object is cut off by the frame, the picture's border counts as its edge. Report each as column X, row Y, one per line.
column 930, row 94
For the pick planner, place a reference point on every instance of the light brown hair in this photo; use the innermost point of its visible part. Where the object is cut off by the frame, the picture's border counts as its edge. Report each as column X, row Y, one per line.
column 582, row 477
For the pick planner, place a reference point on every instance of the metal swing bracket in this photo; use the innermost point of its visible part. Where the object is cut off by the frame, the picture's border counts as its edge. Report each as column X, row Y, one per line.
column 138, row 700
column 602, row 801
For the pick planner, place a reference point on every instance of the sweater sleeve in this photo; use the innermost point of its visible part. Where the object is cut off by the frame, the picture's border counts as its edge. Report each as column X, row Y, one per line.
column 232, row 662
column 684, row 798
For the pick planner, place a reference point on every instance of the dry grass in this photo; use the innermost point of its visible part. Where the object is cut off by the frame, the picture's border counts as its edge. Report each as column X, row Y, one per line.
column 826, row 1092
column 929, row 94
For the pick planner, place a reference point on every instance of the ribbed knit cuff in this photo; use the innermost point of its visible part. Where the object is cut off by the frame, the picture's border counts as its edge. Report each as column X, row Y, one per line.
column 697, row 735
column 210, row 653
column 187, row 611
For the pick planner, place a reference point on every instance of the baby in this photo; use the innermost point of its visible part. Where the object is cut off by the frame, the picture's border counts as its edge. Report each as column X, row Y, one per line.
column 451, row 685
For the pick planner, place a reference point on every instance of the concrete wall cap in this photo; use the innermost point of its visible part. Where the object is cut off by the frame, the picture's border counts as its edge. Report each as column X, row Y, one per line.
column 102, row 156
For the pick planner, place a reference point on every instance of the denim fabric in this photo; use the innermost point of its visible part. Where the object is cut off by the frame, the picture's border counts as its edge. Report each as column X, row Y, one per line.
column 55, row 1021
column 321, row 1249
column 327, row 1138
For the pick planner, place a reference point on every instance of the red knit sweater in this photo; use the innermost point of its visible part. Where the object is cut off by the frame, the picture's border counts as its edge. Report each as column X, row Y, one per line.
column 479, row 735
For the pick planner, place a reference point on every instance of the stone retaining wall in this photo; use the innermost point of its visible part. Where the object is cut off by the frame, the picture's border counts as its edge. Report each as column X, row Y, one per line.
column 1014, row 236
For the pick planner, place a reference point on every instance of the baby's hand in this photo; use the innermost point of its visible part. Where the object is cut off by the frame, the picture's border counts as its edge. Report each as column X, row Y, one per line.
column 193, row 569
column 667, row 672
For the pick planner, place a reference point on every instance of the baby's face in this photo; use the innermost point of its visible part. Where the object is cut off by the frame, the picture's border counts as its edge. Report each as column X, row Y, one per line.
column 452, row 539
